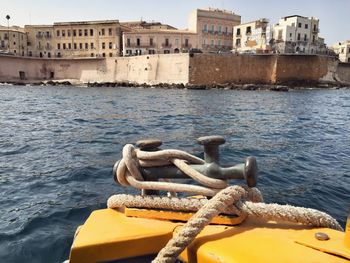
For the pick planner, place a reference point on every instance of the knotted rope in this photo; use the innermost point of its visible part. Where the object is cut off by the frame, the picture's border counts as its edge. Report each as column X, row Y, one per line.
column 238, row 200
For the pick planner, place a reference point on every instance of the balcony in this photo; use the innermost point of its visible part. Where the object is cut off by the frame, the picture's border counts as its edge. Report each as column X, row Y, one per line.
column 315, row 30
column 238, row 35
column 39, row 35
column 186, row 46
column 141, row 45
column 166, row 45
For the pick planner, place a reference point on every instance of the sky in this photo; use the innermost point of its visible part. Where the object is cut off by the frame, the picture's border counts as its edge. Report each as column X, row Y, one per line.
column 334, row 15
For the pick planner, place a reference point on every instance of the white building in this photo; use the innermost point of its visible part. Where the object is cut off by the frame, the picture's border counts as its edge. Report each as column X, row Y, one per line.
column 342, row 49
column 298, row 34
column 253, row 36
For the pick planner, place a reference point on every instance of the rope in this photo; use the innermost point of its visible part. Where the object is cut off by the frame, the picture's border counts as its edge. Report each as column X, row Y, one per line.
column 127, row 171
column 241, row 201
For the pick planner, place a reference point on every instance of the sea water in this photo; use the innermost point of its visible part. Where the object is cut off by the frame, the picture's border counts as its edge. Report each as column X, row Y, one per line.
column 58, row 146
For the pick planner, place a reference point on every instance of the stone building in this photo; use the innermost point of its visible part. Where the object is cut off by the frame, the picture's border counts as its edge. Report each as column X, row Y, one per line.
column 87, row 39
column 158, row 41
column 342, row 49
column 13, row 41
column 214, row 28
column 253, row 36
column 297, row 34
column 40, row 40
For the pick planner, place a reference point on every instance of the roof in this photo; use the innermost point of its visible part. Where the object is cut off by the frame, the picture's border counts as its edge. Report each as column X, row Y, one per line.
column 86, row 22
column 164, row 31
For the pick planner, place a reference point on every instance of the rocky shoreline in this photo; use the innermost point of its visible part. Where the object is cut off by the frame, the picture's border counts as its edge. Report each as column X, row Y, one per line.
column 281, row 87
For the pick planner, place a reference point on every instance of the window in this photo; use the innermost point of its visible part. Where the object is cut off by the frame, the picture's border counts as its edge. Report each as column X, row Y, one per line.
column 64, row 45
column 219, row 42
column 30, row 53
column 205, row 28
column 68, row 32
column 212, row 42
column 151, row 51
column 80, row 32
column 104, row 55
column 92, row 45
column 138, row 42
column 280, row 34
column 167, row 42
column 306, row 26
column 290, row 34
column 14, row 43
column 63, row 33
column 58, row 46
column 75, row 45
column 111, row 54
column 74, row 32
column 226, row 30
column 248, row 30
column 186, row 42
column 299, row 25
column 91, row 32
column 238, row 32
column 151, row 42
column 102, row 31
column 110, row 45
column 103, row 45
column 305, row 37
column 69, row 46
column 219, row 29
column 57, row 33
column 85, row 32
column 204, row 41
column 110, row 32
column 293, row 24
column 212, row 28
column 92, row 55
column 238, row 42
column 86, row 46
column 166, row 51
column 299, row 36
column 128, row 42
column 176, row 42
column 80, row 45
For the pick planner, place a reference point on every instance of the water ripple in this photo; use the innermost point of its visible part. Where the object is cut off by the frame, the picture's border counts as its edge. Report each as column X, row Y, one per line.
column 58, row 146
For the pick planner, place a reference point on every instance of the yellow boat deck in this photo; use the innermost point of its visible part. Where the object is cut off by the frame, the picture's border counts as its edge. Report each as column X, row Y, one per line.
column 110, row 235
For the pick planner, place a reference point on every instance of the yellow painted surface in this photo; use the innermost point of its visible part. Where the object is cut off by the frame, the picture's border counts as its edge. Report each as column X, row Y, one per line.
column 255, row 241
column 180, row 216
column 108, row 234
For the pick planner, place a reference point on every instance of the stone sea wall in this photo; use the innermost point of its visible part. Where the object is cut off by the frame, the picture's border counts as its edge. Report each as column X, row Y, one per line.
column 187, row 69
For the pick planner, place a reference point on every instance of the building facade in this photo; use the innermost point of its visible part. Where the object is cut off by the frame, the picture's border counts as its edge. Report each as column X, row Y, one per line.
column 297, row 34
column 40, row 40
column 342, row 49
column 214, row 28
column 158, row 41
column 13, row 41
column 253, row 36
column 87, row 39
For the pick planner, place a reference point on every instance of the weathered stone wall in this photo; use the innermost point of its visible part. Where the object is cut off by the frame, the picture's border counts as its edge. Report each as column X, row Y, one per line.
column 199, row 69
column 300, row 68
column 153, row 69
column 216, row 68
column 44, row 69
column 213, row 68
column 343, row 72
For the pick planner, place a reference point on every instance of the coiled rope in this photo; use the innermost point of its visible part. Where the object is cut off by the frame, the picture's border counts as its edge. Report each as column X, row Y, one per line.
column 238, row 200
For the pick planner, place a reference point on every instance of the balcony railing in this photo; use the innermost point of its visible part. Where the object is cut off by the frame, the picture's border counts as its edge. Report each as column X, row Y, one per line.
column 166, row 45
column 141, row 45
column 186, row 46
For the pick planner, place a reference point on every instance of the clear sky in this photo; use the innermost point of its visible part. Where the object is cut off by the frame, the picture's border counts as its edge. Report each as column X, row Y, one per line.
column 334, row 15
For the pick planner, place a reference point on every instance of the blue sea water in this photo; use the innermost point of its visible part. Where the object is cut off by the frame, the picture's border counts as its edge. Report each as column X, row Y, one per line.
column 58, row 146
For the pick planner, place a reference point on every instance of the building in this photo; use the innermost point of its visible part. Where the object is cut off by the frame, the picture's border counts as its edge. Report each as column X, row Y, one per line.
column 342, row 49
column 297, row 34
column 87, row 39
column 158, row 41
column 253, row 36
column 214, row 28
column 13, row 41
column 40, row 40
